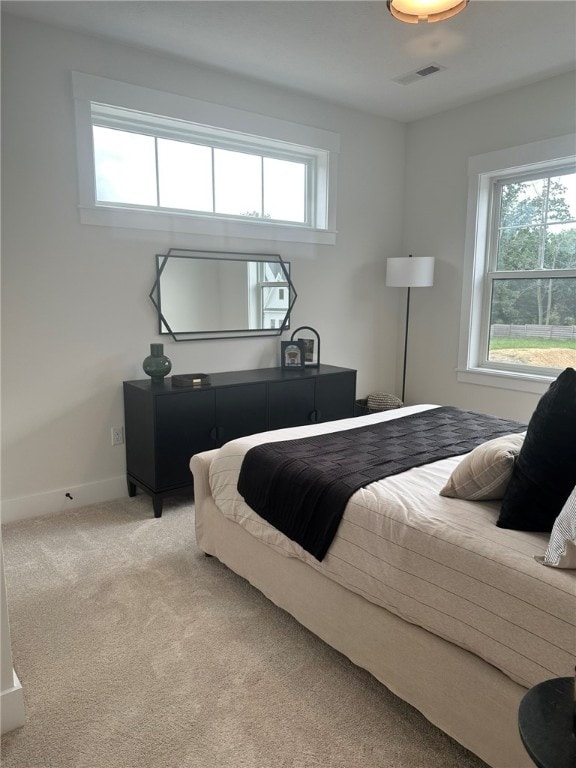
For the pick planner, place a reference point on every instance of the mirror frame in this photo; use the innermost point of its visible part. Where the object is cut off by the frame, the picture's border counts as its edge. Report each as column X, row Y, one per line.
column 155, row 294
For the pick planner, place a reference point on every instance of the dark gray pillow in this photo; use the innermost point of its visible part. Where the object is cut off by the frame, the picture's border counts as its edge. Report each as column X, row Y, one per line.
column 544, row 473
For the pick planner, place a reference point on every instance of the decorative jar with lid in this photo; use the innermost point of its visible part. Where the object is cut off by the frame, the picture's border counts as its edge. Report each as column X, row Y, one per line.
column 157, row 365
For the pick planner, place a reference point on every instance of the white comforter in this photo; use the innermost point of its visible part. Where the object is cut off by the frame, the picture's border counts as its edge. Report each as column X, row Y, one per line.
column 437, row 562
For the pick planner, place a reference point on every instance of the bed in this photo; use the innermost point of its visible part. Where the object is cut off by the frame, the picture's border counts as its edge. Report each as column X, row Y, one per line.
column 451, row 613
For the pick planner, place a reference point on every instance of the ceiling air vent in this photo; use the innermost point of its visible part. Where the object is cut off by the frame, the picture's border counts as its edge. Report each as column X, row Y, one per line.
column 418, row 74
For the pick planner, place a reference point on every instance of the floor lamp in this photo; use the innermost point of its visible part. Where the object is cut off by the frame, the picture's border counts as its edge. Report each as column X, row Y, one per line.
column 409, row 272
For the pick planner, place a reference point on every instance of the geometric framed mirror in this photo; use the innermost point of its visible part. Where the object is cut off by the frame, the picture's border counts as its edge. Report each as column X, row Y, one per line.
column 222, row 294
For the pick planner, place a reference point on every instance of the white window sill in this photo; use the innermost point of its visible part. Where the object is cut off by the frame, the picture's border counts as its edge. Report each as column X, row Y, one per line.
column 519, row 382
column 199, row 225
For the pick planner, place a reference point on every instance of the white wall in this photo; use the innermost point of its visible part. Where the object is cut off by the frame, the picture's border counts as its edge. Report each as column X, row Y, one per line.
column 437, row 153
column 77, row 319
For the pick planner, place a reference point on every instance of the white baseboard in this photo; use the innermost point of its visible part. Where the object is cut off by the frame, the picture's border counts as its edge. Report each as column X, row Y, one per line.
column 56, row 501
column 12, row 714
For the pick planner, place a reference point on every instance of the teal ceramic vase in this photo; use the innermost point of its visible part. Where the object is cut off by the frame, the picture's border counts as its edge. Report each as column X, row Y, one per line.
column 157, row 365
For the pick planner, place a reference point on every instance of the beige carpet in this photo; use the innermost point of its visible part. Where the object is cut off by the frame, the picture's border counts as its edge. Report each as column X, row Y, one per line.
column 136, row 651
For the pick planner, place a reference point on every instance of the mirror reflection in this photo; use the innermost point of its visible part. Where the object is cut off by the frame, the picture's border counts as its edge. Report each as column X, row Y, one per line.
column 206, row 294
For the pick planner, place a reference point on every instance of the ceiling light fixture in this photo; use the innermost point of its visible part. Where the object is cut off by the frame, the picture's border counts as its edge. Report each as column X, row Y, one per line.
column 413, row 11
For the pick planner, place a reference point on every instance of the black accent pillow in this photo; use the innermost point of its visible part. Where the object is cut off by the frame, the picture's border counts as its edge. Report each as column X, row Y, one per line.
column 544, row 473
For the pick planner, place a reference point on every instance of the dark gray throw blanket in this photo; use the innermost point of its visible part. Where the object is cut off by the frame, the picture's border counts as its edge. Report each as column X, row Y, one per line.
column 302, row 486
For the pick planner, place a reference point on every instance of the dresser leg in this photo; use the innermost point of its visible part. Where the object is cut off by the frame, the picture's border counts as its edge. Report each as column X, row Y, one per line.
column 131, row 488
column 157, row 502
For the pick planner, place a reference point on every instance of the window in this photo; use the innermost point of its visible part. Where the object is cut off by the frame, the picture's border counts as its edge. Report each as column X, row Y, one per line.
column 153, row 160
column 142, row 166
column 519, row 302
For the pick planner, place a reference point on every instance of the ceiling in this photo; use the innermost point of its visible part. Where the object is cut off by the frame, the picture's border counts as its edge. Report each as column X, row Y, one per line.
column 346, row 52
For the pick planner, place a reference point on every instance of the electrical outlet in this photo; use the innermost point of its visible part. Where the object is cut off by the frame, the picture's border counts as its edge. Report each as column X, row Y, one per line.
column 117, row 435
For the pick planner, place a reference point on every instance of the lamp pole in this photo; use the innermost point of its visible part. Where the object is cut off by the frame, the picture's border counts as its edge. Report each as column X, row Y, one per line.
column 406, row 344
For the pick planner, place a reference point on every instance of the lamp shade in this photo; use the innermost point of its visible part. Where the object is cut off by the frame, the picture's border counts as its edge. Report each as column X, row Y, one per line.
column 410, row 272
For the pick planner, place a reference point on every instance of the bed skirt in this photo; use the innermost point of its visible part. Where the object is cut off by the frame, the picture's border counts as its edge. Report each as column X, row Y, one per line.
column 464, row 696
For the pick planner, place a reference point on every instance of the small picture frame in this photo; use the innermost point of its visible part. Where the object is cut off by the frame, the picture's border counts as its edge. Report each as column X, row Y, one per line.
column 293, row 354
column 309, row 354
column 311, row 339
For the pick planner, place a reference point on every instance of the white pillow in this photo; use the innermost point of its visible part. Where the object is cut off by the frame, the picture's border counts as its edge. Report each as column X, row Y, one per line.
column 561, row 552
column 485, row 472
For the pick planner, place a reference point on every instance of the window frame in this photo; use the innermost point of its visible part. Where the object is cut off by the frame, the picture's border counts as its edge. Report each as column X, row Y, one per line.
column 529, row 161
column 129, row 107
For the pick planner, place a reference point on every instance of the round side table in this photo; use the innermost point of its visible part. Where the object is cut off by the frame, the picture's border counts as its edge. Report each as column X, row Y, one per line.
column 546, row 723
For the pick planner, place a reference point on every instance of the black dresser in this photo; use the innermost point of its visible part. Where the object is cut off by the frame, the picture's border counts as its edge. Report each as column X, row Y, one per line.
column 166, row 425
